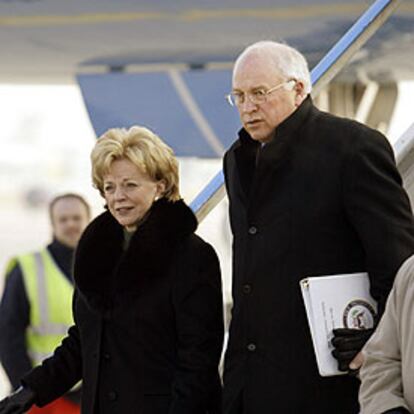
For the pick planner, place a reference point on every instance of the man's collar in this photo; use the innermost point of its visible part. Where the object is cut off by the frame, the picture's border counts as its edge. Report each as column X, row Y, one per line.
column 58, row 246
column 295, row 119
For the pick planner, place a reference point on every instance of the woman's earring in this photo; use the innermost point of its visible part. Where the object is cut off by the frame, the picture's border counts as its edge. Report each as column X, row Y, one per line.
column 156, row 198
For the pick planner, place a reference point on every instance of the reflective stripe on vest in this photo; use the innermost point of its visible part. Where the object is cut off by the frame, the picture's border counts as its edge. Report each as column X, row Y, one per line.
column 50, row 297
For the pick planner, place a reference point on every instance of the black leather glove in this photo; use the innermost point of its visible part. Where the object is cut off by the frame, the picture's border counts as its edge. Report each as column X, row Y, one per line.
column 347, row 343
column 399, row 410
column 18, row 402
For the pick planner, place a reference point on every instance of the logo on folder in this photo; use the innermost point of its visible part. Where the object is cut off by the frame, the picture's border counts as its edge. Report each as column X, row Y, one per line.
column 358, row 314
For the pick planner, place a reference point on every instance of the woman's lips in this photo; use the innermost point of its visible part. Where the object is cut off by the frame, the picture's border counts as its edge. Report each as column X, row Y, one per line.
column 123, row 210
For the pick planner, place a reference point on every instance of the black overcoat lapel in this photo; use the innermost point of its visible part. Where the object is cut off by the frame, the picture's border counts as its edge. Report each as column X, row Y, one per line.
column 275, row 156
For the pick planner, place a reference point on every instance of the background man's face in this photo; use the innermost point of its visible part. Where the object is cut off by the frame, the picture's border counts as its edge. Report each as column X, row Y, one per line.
column 69, row 219
column 257, row 72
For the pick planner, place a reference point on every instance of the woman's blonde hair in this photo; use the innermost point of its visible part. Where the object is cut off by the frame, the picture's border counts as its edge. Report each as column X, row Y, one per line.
column 144, row 149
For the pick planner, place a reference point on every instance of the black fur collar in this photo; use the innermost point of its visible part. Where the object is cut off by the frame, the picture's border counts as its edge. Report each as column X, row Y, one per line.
column 103, row 269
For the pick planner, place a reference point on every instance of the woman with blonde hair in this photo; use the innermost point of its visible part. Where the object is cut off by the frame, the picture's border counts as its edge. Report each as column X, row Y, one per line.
column 148, row 304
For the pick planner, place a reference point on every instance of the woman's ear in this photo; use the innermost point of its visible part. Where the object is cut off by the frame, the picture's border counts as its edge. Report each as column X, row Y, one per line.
column 160, row 189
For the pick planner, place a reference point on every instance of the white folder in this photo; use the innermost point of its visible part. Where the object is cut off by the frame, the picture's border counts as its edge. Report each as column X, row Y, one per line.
column 336, row 301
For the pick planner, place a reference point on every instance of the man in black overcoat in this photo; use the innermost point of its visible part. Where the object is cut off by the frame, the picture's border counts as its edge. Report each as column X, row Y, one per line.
column 310, row 194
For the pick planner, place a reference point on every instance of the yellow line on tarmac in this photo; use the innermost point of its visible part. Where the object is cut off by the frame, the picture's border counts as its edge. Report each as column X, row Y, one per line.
column 275, row 13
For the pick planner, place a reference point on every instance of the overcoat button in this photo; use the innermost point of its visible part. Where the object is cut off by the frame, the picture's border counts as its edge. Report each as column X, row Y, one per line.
column 112, row 395
column 106, row 357
column 252, row 230
column 251, row 347
column 247, row 289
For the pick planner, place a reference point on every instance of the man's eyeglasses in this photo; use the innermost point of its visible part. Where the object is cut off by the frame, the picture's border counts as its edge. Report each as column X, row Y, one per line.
column 258, row 96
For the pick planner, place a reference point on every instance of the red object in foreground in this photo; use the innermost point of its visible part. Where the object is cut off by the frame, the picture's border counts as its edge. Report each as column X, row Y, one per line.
column 60, row 406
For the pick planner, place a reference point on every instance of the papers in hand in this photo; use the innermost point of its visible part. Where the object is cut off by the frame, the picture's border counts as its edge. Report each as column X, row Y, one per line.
column 336, row 301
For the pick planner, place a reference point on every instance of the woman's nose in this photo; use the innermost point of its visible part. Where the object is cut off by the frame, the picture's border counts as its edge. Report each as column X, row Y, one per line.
column 119, row 193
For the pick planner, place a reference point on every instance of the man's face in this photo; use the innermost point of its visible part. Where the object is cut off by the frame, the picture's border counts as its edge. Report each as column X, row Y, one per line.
column 69, row 219
column 256, row 72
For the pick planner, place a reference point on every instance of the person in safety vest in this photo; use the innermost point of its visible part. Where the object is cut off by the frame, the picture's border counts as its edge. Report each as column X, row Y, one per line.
column 36, row 307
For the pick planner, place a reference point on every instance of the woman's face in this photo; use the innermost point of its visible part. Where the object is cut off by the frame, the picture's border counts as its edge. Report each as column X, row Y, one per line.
column 129, row 193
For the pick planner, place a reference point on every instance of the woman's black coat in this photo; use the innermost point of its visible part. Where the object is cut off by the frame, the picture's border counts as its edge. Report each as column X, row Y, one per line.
column 148, row 321
column 325, row 198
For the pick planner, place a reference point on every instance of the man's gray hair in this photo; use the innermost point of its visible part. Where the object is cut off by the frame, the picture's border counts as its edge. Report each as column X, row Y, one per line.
column 288, row 61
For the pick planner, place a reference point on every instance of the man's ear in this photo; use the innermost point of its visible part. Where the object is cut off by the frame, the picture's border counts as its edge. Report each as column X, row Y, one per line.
column 300, row 94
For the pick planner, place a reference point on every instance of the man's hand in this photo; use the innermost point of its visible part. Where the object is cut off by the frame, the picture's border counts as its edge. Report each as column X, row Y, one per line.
column 18, row 402
column 348, row 344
